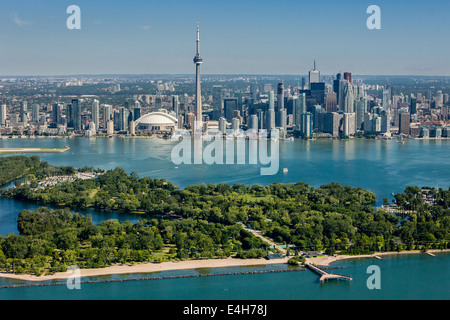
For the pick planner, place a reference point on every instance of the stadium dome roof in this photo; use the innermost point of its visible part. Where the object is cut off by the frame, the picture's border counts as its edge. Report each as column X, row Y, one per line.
column 155, row 118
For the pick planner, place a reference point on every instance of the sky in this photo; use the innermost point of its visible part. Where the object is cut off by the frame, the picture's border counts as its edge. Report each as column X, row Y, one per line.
column 236, row 37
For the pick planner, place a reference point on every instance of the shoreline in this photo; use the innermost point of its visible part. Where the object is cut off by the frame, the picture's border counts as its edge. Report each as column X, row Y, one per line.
column 32, row 150
column 150, row 267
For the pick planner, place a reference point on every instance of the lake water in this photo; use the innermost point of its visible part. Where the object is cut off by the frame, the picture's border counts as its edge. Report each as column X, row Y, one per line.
column 384, row 167
column 401, row 277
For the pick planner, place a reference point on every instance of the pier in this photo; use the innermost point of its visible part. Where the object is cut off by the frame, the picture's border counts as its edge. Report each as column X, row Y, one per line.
column 325, row 275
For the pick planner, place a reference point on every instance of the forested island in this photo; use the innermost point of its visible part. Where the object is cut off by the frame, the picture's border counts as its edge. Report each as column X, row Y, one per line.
column 206, row 221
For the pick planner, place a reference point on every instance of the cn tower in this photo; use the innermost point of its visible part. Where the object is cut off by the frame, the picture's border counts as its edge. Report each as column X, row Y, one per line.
column 198, row 96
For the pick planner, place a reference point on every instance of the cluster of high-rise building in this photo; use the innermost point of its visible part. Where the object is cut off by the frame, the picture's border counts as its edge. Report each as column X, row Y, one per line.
column 314, row 107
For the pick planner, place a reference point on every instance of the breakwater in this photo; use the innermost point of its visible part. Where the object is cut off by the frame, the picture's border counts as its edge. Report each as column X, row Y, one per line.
column 29, row 285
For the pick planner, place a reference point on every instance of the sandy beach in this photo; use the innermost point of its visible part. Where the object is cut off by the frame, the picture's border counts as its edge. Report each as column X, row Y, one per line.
column 32, row 150
column 197, row 264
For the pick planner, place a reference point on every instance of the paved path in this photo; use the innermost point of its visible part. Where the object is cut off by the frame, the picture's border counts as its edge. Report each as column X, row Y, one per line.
column 258, row 234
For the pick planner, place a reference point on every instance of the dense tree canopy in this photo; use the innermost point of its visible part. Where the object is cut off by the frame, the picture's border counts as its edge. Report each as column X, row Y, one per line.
column 333, row 218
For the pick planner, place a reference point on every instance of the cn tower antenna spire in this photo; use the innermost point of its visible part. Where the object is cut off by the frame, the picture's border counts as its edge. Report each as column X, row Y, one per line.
column 198, row 95
column 198, row 38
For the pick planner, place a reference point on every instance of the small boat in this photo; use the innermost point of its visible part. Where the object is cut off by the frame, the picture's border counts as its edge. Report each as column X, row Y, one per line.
column 285, row 170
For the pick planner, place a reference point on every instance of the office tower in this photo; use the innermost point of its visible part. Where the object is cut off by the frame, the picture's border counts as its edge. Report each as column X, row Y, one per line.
column 130, row 115
column 35, row 115
column 359, row 92
column 385, row 121
column 180, row 124
column 123, row 119
column 3, row 115
column 439, row 99
column 299, row 109
column 404, row 123
column 107, row 115
column 175, row 105
column 360, row 110
column 217, row 103
column 23, row 112
column 368, row 125
column 132, row 127
column 413, row 105
column 316, row 110
column 282, row 119
column 343, row 87
column 158, row 103
column 445, row 98
column 348, row 76
column 137, row 113
column 96, row 114
column 376, row 123
column 90, row 130
column 270, row 119
column 306, row 125
column 348, row 98
column 303, row 83
column 229, row 106
column 110, row 127
column 76, row 114
column 69, row 115
column 314, row 75
column 331, row 102
column 349, row 124
column 198, row 91
column 336, row 84
column 253, row 123
column 424, row 132
column 332, row 123
column 301, row 103
column 260, row 115
column 267, row 87
column 56, row 113
column 116, row 120
column 222, row 125
column 318, row 92
column 290, row 108
column 385, row 99
column 270, row 115
column 271, row 100
column 235, row 124
column 280, row 96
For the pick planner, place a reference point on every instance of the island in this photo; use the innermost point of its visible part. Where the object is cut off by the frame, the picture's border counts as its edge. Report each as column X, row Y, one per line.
column 207, row 225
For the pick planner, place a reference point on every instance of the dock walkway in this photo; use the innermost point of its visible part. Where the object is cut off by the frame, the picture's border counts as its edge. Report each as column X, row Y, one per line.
column 325, row 275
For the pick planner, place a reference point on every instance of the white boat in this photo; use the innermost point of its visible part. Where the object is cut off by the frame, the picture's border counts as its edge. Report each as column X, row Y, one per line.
column 285, row 170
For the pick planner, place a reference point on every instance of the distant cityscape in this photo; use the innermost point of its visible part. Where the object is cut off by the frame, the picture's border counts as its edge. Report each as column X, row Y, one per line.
column 336, row 106
column 311, row 106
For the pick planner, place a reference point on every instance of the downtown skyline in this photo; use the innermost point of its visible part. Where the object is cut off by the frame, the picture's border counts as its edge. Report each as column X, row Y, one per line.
column 251, row 37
